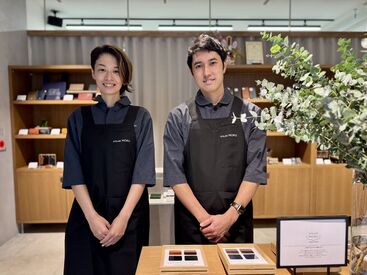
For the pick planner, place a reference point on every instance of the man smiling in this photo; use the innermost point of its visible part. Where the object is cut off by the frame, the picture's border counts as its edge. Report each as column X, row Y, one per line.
column 213, row 163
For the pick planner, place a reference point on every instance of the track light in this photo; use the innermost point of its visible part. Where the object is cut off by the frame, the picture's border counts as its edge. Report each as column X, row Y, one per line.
column 271, row 27
column 103, row 27
column 53, row 20
column 284, row 28
column 195, row 27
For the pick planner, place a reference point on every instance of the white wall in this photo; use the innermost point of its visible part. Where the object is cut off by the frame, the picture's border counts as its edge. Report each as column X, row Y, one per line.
column 13, row 50
column 274, row 9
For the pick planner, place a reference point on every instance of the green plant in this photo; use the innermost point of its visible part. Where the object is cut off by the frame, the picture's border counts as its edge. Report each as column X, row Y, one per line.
column 331, row 111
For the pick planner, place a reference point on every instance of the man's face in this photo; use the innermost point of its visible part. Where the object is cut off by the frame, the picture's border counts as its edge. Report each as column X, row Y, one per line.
column 208, row 71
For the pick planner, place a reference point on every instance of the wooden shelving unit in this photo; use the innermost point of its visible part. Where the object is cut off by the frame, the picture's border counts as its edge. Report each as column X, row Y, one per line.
column 39, row 196
column 300, row 189
column 292, row 190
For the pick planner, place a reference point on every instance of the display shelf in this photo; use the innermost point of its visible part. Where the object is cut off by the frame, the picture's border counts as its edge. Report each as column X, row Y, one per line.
column 338, row 165
column 61, row 136
column 259, row 101
column 275, row 134
column 55, row 102
column 289, row 166
column 25, row 169
column 40, row 198
column 38, row 192
column 299, row 189
column 331, row 189
column 162, row 201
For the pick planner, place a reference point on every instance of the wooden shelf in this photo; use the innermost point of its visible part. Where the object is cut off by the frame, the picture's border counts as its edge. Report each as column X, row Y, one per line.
column 52, row 68
column 298, row 189
column 259, row 101
column 275, row 134
column 38, row 192
column 289, row 166
column 61, row 136
column 248, row 68
column 55, row 102
column 25, row 169
column 341, row 165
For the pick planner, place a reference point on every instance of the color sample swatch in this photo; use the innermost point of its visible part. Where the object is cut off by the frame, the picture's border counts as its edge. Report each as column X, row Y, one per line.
column 245, row 259
column 244, row 256
column 183, row 257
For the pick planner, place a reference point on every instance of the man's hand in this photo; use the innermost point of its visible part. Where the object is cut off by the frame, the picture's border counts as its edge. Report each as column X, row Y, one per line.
column 99, row 226
column 116, row 232
column 215, row 228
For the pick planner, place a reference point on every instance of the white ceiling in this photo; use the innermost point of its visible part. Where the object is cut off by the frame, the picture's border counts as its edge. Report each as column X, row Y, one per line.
column 348, row 15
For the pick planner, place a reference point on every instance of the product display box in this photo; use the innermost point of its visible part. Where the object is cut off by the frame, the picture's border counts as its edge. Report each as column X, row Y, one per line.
column 245, row 259
column 183, row 258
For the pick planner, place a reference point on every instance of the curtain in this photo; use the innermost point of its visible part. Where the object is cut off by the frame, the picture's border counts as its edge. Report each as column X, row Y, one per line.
column 161, row 78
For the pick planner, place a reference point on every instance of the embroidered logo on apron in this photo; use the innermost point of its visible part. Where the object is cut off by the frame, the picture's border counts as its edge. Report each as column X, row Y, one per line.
column 121, row 140
column 228, row 136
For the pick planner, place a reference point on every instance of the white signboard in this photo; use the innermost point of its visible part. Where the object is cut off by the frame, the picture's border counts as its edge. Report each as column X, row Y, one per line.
column 312, row 241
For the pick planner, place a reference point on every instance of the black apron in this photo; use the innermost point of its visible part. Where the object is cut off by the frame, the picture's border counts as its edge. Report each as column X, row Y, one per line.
column 214, row 163
column 108, row 159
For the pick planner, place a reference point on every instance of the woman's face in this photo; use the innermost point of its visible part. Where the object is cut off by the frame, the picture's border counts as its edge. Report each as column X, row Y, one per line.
column 107, row 76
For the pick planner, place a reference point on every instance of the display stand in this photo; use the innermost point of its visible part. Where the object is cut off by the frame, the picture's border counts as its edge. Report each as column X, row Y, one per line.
column 320, row 242
column 294, row 270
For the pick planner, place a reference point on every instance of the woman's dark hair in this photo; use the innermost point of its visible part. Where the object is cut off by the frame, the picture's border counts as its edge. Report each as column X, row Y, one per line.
column 124, row 64
column 207, row 43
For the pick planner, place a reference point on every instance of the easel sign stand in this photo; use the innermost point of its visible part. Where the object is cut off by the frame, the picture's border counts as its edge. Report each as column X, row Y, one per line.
column 294, row 271
column 312, row 242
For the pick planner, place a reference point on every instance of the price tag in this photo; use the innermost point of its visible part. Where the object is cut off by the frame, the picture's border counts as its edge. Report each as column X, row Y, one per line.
column 21, row 97
column 33, row 165
column 23, row 132
column 55, row 131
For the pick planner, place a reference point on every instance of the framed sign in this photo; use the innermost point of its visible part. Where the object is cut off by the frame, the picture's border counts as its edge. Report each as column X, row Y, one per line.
column 254, row 52
column 312, row 241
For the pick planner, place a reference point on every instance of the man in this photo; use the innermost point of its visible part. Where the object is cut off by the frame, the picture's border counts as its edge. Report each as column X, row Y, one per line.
column 212, row 160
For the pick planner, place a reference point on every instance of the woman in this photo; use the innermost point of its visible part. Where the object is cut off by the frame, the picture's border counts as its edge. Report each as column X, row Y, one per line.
column 109, row 161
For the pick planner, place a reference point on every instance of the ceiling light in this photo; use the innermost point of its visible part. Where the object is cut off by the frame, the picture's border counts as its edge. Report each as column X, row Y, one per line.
column 53, row 20
column 195, row 28
column 103, row 27
column 284, row 28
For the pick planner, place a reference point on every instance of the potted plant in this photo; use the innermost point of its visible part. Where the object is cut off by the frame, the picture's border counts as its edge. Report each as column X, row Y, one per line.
column 331, row 111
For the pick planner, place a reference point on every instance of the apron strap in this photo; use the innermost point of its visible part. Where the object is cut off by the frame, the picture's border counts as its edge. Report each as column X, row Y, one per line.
column 131, row 116
column 87, row 115
column 195, row 113
column 236, row 106
column 192, row 109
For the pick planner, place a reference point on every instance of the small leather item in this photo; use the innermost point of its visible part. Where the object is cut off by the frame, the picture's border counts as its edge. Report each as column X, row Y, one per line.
column 239, row 208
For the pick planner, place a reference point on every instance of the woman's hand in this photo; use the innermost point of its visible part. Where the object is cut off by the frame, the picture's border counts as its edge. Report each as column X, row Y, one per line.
column 99, row 226
column 116, row 232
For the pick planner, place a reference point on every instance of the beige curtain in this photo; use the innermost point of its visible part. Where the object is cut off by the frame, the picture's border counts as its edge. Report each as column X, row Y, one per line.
column 161, row 78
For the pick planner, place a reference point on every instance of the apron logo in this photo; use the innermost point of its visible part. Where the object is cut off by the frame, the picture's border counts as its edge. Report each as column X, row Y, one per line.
column 120, row 140
column 228, row 135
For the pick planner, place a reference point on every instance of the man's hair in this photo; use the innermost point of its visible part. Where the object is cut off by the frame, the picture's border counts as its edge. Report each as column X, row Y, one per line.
column 205, row 43
column 123, row 62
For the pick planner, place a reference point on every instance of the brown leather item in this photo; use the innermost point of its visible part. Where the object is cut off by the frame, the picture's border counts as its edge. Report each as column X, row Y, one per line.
column 245, row 93
column 85, row 96
column 33, row 131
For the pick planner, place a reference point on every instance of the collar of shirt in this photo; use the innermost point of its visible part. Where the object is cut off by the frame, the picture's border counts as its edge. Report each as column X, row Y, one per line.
column 202, row 101
column 122, row 102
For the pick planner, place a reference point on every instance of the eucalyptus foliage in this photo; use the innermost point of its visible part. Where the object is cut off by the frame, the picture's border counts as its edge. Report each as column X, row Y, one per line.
column 331, row 111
